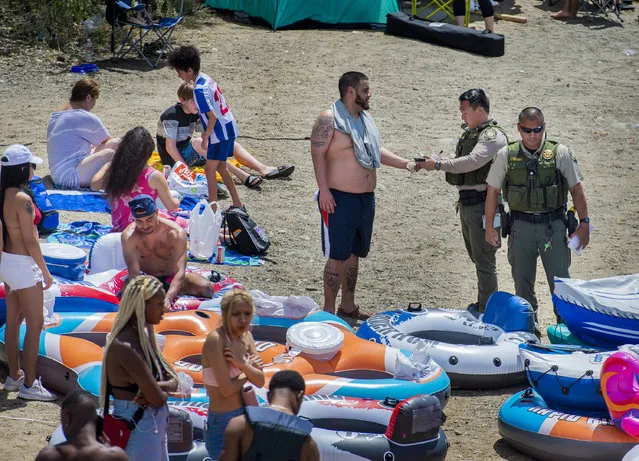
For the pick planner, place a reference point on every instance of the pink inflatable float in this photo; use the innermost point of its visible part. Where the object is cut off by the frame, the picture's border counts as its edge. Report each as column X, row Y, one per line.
column 620, row 387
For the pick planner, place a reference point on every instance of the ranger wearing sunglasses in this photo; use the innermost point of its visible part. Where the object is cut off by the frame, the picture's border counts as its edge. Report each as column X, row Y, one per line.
column 536, row 175
column 476, row 148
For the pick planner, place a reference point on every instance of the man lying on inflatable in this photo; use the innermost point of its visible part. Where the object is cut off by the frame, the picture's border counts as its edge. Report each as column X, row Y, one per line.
column 156, row 246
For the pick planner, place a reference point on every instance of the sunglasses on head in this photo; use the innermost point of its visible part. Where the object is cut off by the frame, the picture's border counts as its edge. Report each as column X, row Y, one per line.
column 539, row 129
column 471, row 95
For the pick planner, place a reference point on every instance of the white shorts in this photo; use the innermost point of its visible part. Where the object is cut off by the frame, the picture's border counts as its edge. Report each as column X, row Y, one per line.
column 19, row 271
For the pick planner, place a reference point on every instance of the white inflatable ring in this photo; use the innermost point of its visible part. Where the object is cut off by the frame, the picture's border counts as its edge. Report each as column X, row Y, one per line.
column 318, row 340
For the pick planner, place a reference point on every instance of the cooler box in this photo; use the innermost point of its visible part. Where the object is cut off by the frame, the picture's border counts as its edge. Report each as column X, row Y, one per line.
column 64, row 260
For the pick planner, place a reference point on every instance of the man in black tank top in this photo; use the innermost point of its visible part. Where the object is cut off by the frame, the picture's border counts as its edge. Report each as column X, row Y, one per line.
column 273, row 432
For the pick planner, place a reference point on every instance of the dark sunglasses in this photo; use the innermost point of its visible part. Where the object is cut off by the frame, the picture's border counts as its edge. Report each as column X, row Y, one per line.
column 33, row 165
column 471, row 95
column 539, row 129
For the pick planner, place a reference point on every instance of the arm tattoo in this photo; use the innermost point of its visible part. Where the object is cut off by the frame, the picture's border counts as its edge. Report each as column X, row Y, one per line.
column 29, row 207
column 321, row 131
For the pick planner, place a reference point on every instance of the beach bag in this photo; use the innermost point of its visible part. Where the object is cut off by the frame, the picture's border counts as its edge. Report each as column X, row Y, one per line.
column 186, row 182
column 118, row 430
column 50, row 218
column 243, row 234
column 204, row 229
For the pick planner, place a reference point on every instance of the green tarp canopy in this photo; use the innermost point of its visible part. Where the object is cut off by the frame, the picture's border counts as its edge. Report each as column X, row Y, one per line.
column 280, row 13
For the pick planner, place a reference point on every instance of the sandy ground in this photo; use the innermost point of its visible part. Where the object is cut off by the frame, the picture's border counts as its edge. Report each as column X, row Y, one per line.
column 277, row 83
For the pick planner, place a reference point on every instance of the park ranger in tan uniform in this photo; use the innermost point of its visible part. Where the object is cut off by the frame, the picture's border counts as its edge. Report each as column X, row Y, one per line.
column 477, row 147
column 536, row 175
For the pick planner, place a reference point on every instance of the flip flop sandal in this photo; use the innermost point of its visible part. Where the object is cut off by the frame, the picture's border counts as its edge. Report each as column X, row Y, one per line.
column 356, row 314
column 280, row 172
column 253, row 182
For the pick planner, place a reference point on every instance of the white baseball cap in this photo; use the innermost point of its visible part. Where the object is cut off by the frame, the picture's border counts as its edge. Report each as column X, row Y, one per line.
column 17, row 154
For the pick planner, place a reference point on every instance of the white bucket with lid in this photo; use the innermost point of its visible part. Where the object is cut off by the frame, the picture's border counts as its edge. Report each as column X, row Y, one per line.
column 316, row 340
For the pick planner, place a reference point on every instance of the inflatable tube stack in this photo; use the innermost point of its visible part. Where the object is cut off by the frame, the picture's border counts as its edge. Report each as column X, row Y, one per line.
column 408, row 425
column 565, row 416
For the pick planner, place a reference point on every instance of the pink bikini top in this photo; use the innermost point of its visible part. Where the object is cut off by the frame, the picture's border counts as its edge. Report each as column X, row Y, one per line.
column 208, row 376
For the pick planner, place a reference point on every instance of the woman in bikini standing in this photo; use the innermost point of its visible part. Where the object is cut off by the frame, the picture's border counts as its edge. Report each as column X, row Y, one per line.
column 136, row 373
column 230, row 360
column 23, row 271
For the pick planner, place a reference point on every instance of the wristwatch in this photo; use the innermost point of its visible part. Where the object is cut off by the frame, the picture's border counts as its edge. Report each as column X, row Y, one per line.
column 586, row 220
column 438, row 164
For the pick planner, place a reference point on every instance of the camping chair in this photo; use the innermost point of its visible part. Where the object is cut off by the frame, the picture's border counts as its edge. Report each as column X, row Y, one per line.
column 130, row 19
column 592, row 8
column 435, row 6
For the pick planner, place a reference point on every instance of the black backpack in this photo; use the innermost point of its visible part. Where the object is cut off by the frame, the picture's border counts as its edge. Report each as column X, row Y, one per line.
column 244, row 235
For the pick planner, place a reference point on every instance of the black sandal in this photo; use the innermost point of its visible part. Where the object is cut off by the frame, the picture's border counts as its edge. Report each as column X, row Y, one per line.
column 253, row 182
column 280, row 172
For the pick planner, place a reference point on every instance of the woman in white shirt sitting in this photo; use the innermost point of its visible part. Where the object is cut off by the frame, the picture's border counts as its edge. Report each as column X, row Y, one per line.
column 78, row 144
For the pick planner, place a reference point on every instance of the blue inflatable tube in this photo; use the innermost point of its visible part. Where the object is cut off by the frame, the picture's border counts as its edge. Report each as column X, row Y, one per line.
column 567, row 377
column 603, row 312
column 598, row 328
column 526, row 423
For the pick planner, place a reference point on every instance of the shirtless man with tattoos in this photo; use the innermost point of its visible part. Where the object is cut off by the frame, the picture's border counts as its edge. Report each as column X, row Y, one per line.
column 156, row 246
column 346, row 152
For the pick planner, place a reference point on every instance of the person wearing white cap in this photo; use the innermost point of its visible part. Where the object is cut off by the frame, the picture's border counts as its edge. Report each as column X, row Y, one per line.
column 23, row 271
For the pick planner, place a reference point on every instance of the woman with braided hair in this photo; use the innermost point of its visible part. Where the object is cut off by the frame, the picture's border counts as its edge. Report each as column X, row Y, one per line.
column 135, row 372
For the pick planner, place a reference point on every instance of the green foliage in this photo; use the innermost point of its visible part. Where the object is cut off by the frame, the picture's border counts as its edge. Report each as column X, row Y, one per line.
column 57, row 22
column 60, row 23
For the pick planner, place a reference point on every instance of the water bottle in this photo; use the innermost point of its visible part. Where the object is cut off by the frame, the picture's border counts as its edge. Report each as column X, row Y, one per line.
column 89, row 52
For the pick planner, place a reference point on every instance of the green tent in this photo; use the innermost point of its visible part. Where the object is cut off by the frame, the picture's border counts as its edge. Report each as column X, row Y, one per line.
column 280, row 13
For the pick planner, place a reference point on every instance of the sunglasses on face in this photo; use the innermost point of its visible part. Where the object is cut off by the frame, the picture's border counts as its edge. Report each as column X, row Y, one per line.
column 539, row 129
column 33, row 165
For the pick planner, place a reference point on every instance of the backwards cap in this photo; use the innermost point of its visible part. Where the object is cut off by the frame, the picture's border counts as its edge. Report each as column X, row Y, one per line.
column 142, row 206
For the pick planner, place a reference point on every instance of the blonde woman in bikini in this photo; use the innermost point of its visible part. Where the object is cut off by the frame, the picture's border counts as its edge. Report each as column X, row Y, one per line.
column 230, row 361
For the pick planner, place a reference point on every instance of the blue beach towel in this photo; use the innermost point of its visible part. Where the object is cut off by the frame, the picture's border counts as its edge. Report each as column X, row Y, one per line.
column 81, row 234
column 231, row 258
column 79, row 200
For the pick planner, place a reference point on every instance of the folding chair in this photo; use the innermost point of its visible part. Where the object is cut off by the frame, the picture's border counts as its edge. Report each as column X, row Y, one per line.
column 592, row 8
column 135, row 33
column 435, row 6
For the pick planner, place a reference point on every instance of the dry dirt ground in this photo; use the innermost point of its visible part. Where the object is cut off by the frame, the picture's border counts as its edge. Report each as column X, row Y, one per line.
column 580, row 73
